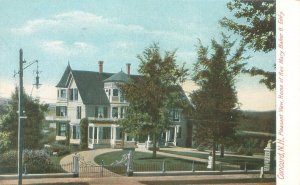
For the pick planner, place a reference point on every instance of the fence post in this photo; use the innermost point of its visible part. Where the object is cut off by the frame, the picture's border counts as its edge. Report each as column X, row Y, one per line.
column 245, row 167
column 102, row 167
column 129, row 164
column 221, row 167
column 193, row 166
column 261, row 173
column 163, row 166
column 75, row 164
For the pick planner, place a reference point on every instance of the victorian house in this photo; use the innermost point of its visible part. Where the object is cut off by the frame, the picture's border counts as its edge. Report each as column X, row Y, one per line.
column 96, row 96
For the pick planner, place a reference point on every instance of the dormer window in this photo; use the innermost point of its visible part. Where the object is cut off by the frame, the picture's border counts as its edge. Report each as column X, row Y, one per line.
column 115, row 92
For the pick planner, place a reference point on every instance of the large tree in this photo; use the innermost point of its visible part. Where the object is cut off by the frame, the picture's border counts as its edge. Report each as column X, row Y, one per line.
column 34, row 112
column 153, row 94
column 215, row 101
column 255, row 22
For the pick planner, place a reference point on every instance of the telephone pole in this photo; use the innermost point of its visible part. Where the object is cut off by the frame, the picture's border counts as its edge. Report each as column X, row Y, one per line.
column 21, row 120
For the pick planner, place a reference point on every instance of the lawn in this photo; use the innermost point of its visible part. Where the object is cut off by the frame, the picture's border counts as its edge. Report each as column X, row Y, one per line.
column 229, row 159
column 143, row 161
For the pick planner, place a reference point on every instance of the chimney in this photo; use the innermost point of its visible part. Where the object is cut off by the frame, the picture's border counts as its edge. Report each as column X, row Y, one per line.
column 128, row 68
column 100, row 66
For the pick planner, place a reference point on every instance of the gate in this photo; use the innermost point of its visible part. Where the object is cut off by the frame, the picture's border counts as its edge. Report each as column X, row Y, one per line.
column 118, row 168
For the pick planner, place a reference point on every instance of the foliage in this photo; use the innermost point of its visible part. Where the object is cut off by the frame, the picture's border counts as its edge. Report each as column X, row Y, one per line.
column 215, row 101
column 59, row 149
column 34, row 112
column 259, row 31
column 269, row 77
column 153, row 95
column 4, row 141
column 36, row 161
column 84, row 123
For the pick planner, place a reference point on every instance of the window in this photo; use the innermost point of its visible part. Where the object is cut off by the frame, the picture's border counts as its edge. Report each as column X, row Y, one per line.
column 97, row 112
column 78, row 116
column 101, row 112
column 115, row 112
column 76, row 132
column 62, row 93
column 106, row 133
column 115, row 92
column 61, row 128
column 95, row 133
column 75, row 91
column 73, row 94
column 122, row 113
column 61, row 111
column 70, row 94
column 91, row 132
column 105, row 112
column 179, row 132
column 119, row 133
column 175, row 115
column 122, row 99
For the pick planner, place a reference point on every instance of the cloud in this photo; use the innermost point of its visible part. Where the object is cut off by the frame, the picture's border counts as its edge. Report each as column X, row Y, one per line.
column 74, row 19
column 61, row 48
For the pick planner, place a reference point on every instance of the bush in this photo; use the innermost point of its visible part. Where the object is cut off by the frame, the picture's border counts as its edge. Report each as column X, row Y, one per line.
column 35, row 161
column 9, row 162
column 59, row 149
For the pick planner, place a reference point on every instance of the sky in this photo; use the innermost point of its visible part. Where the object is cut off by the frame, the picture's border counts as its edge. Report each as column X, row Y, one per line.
column 81, row 33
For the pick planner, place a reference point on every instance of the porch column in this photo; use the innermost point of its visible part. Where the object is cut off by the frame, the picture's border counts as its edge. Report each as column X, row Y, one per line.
column 98, row 130
column 175, row 134
column 93, row 140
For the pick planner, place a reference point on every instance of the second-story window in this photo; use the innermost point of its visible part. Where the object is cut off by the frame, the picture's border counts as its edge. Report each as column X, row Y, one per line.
column 78, row 115
column 115, row 92
column 61, row 93
column 61, row 111
column 73, row 94
column 115, row 112
column 175, row 115
column 101, row 112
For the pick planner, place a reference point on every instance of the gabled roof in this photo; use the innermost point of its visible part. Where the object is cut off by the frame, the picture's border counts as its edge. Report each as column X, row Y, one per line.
column 91, row 84
column 63, row 81
column 90, row 87
column 118, row 77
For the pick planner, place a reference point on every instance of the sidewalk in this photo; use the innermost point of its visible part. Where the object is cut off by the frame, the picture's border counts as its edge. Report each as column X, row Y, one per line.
column 157, row 180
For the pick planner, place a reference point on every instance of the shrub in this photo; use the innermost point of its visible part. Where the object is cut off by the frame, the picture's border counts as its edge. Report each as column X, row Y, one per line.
column 35, row 161
column 9, row 162
column 59, row 149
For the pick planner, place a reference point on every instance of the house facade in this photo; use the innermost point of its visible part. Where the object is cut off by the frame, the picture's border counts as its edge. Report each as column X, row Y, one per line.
column 96, row 96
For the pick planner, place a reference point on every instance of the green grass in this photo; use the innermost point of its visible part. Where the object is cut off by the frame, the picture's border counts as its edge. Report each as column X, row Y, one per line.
column 143, row 161
column 227, row 159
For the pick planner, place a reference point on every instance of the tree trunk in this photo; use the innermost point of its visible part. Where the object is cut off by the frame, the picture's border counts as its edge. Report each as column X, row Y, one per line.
column 214, row 155
column 154, row 146
column 222, row 151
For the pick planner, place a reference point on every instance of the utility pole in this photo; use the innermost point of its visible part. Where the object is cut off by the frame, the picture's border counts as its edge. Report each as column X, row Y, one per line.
column 21, row 113
column 21, row 121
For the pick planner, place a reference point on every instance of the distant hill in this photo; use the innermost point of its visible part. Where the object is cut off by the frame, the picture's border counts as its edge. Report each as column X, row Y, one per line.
column 257, row 121
column 4, row 101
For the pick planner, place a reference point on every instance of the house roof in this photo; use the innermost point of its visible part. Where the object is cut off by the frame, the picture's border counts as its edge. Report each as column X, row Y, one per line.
column 90, row 84
column 90, row 87
column 118, row 77
column 63, row 81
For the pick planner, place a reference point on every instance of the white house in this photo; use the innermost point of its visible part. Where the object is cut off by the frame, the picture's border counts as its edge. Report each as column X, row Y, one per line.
column 95, row 95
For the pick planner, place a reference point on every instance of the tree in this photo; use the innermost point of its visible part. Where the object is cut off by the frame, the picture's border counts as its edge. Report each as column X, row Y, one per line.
column 258, row 31
column 84, row 124
column 215, row 102
column 153, row 94
column 34, row 112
